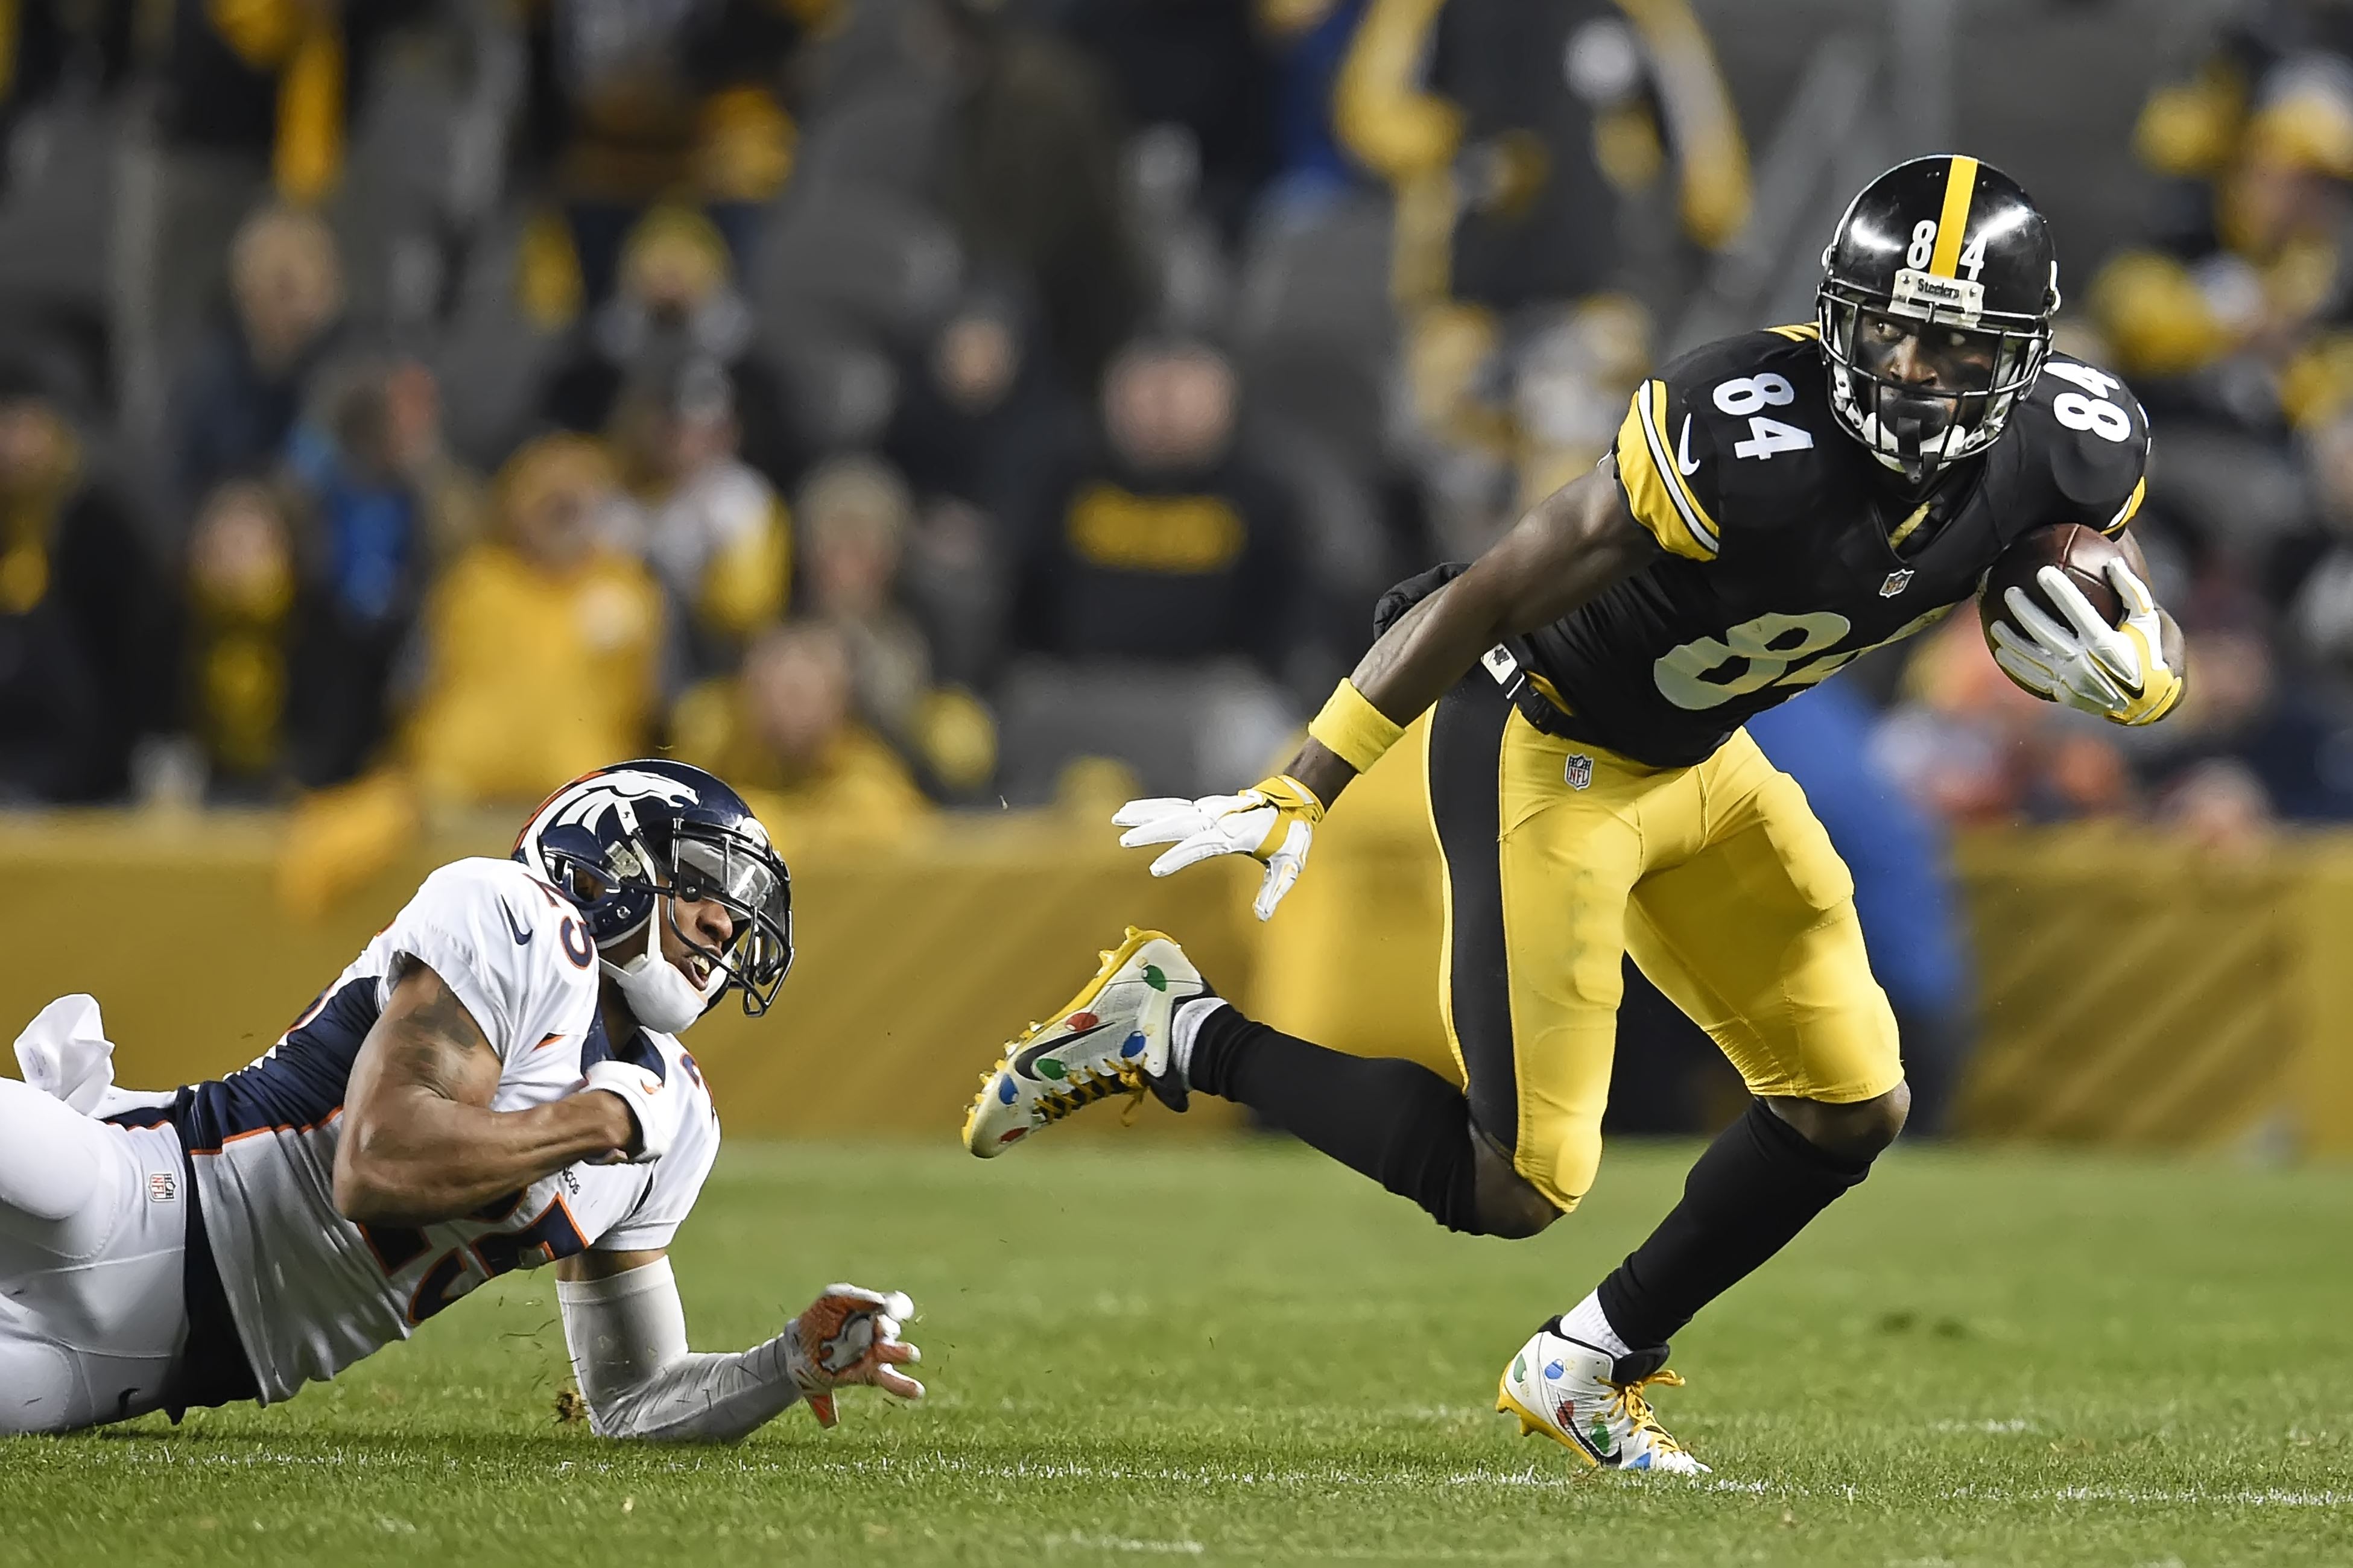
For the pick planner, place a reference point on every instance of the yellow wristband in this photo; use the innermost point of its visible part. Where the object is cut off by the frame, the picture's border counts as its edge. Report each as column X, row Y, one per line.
column 1353, row 730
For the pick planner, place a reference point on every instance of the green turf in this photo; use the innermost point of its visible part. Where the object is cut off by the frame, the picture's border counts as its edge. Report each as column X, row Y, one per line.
column 1242, row 1355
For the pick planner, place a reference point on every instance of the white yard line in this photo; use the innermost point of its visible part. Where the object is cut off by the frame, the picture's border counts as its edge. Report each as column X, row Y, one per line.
column 1310, row 1478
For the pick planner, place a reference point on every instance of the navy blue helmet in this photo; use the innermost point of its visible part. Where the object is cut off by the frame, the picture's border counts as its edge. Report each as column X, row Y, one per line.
column 614, row 841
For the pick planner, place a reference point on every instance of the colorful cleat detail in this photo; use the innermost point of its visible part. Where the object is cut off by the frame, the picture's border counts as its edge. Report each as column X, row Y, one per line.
column 1591, row 1404
column 1111, row 1039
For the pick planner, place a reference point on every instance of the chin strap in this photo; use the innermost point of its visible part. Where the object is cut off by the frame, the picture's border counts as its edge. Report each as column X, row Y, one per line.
column 644, row 978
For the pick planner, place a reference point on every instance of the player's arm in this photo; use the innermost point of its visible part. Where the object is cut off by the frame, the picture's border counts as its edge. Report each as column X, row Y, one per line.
column 626, row 1332
column 1569, row 547
column 420, row 1143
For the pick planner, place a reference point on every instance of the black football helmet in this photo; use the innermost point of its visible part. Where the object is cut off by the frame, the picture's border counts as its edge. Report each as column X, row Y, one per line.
column 620, row 842
column 1935, row 305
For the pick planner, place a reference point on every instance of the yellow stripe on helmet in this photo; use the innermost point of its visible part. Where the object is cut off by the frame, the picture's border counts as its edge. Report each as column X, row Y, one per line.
column 1960, row 184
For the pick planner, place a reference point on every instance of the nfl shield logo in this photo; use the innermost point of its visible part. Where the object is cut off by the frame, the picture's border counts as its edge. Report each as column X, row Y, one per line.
column 1896, row 583
column 162, row 1188
column 1579, row 773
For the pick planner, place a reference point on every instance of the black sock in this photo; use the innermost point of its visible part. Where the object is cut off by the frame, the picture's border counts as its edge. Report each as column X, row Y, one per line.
column 1395, row 1122
column 1758, row 1184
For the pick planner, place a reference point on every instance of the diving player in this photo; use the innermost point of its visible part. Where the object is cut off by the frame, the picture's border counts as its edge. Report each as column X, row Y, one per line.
column 495, row 1083
column 1778, row 504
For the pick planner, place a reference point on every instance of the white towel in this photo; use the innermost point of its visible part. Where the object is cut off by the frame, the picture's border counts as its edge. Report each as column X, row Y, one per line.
column 64, row 1053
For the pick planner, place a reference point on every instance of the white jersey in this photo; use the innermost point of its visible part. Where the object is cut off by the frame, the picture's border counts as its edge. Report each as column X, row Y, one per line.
column 311, row 1292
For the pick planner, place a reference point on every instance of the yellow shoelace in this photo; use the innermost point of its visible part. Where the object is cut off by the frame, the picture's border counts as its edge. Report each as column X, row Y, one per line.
column 1627, row 1401
column 1084, row 1089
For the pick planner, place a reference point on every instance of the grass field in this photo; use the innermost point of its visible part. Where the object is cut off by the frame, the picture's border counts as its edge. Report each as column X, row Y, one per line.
column 1246, row 1356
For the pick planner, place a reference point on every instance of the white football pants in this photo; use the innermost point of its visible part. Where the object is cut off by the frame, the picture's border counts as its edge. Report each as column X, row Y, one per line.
column 93, row 1220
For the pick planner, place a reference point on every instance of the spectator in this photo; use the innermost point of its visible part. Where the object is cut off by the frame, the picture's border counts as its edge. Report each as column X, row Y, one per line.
column 2190, row 126
column 1169, row 541
column 785, row 732
column 250, row 380
column 2242, row 308
column 541, row 644
column 855, row 515
column 1205, row 68
column 1523, row 143
column 1515, row 133
column 677, row 300
column 977, row 409
column 382, row 506
column 631, row 105
column 1030, row 175
column 715, row 531
column 82, row 617
column 979, row 413
column 241, row 591
column 257, row 98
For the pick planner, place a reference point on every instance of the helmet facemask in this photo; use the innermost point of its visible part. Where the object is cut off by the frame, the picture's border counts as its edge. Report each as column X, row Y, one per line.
column 1980, row 364
column 694, row 862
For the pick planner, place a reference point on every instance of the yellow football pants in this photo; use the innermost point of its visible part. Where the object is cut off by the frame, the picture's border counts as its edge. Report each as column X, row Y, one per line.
column 1561, row 858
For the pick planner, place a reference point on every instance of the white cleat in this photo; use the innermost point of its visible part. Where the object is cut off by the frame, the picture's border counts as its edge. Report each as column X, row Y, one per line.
column 1591, row 1404
column 1112, row 1038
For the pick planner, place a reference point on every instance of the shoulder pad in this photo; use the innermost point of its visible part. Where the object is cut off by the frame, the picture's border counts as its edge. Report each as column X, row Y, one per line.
column 1728, row 436
column 2083, row 428
column 509, row 946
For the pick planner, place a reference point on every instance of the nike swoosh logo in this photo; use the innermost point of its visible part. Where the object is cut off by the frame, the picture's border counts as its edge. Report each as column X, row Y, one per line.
column 514, row 926
column 1022, row 1063
column 1683, row 450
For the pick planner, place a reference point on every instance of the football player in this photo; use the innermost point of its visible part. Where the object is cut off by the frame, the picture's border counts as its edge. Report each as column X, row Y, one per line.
column 1776, row 504
column 495, row 1083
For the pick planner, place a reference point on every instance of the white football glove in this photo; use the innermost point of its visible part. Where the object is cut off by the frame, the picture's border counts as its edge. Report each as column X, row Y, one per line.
column 849, row 1336
column 653, row 1105
column 2118, row 673
column 1273, row 822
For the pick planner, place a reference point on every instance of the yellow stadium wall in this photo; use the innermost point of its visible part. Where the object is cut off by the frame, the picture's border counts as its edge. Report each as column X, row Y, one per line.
column 2132, row 991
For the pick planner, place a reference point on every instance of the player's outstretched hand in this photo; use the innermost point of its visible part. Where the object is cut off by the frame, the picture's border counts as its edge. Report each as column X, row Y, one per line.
column 850, row 1335
column 653, row 1106
column 1273, row 822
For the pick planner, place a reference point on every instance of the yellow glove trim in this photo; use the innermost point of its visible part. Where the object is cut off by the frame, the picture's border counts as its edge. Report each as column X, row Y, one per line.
column 1292, row 802
column 2159, row 692
column 1353, row 730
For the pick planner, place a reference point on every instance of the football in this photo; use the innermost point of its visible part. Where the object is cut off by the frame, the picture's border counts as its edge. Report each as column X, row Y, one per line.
column 2082, row 553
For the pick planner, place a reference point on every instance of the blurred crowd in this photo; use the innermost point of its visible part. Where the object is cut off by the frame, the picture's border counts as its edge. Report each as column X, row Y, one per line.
column 888, row 403
column 892, row 402
column 2231, row 316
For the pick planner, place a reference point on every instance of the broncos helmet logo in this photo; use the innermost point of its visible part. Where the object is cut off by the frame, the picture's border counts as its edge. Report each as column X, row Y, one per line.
column 604, row 803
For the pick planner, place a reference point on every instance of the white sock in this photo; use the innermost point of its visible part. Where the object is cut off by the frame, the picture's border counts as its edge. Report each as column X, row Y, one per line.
column 1588, row 1323
column 1186, row 1029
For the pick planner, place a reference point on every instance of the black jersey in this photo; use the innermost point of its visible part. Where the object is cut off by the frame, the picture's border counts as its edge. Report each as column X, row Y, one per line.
column 1789, row 550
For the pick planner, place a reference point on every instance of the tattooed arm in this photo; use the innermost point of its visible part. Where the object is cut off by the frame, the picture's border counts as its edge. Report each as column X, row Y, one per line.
column 420, row 1143
column 1569, row 547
